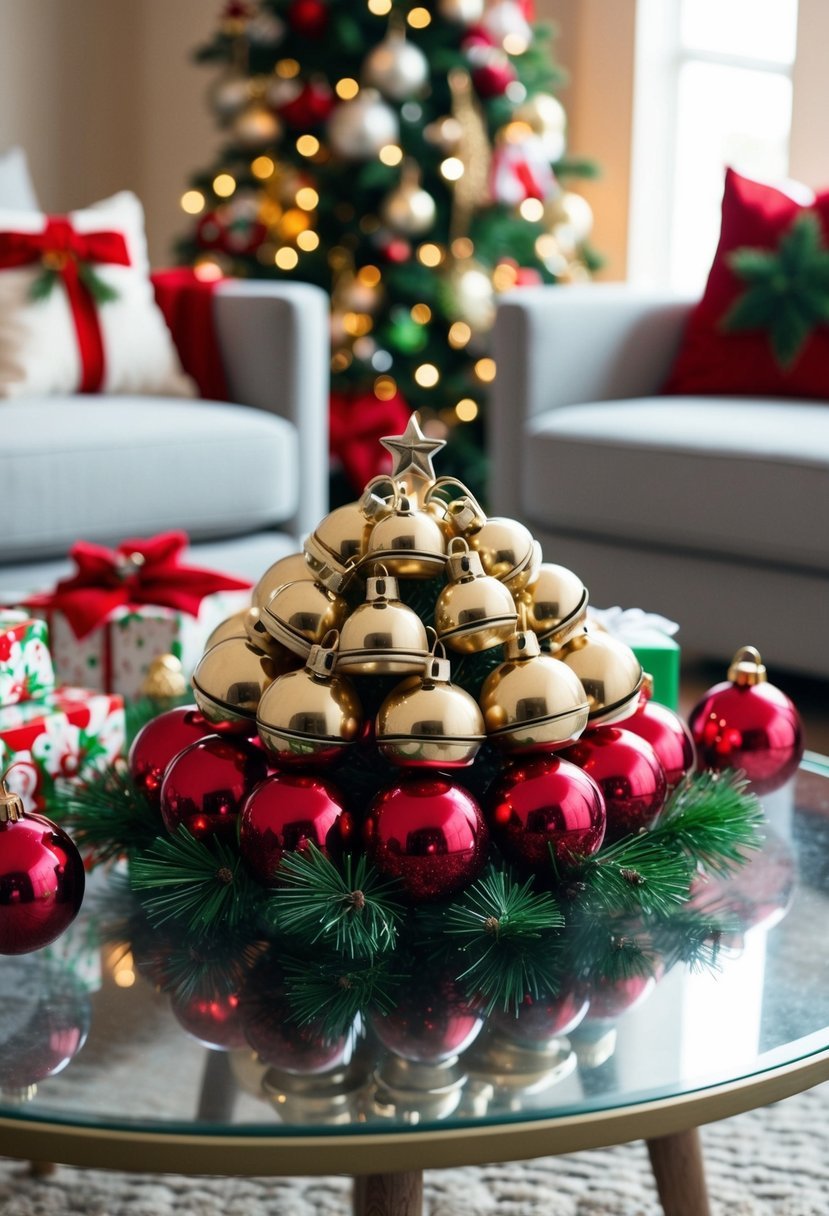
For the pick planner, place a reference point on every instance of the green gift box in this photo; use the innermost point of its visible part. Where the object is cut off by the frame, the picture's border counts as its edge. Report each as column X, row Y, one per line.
column 651, row 639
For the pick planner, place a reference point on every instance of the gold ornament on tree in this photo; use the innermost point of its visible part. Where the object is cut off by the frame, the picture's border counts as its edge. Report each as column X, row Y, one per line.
column 610, row 674
column 409, row 209
column 471, row 190
column 165, row 679
column 474, row 611
column 383, row 636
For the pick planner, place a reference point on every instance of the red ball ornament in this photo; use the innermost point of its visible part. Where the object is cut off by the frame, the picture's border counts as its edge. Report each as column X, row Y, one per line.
column 627, row 771
column 283, row 814
column 431, row 1023
column 397, row 250
column 667, row 734
column 308, row 18
column 746, row 723
column 310, row 107
column 214, row 1018
column 157, row 743
column 429, row 834
column 545, row 802
column 41, row 878
column 205, row 785
column 273, row 1033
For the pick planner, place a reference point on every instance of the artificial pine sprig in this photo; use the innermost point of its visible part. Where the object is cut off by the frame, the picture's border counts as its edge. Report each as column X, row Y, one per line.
column 353, row 911
column 713, row 819
column 107, row 816
column 637, row 874
column 505, row 930
column 199, row 883
column 331, row 993
column 693, row 936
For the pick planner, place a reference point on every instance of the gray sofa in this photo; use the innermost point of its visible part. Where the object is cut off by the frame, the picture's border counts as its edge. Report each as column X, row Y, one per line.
column 246, row 480
column 711, row 510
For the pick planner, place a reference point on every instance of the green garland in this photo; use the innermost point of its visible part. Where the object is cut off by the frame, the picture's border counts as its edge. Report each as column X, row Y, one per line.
column 343, row 942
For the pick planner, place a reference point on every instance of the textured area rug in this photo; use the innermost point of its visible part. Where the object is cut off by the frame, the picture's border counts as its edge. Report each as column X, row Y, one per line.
column 771, row 1162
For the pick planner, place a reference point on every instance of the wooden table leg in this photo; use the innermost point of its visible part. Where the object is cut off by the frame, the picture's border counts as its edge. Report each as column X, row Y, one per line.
column 389, row 1194
column 677, row 1166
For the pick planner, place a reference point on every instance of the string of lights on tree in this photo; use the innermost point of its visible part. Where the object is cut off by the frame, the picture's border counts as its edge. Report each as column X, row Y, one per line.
column 412, row 161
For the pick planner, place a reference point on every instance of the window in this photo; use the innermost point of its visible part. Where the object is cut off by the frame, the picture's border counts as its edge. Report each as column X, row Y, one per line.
column 713, row 88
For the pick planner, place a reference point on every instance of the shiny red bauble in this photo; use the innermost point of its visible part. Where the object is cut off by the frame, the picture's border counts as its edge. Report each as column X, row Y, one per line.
column 746, row 723
column 431, row 1023
column 545, row 803
column 430, row 835
column 205, row 785
column 214, row 1018
column 311, row 106
column 159, row 741
column 308, row 17
column 667, row 734
column 283, row 814
column 41, row 883
column 627, row 771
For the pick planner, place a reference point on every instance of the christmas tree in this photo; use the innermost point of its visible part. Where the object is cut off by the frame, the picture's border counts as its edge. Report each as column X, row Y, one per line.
column 409, row 159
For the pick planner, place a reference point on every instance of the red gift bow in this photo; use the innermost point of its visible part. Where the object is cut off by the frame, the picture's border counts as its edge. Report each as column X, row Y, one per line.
column 356, row 426
column 137, row 572
column 62, row 249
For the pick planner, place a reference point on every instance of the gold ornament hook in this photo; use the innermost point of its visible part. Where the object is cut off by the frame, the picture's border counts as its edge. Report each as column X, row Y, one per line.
column 747, row 667
column 11, row 804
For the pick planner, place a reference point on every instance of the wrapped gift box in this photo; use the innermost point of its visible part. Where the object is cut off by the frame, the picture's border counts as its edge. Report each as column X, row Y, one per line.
column 26, row 671
column 651, row 638
column 116, row 656
column 68, row 734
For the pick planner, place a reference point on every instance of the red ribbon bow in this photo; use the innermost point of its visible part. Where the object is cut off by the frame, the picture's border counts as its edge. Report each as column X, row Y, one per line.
column 356, row 426
column 137, row 572
column 63, row 250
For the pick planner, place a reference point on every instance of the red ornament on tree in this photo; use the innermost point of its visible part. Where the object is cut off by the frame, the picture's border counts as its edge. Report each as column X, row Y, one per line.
column 308, row 17
column 205, row 785
column 311, row 106
column 667, row 734
column 214, row 1018
column 545, row 802
column 283, row 814
column 41, row 878
column 746, row 723
column 157, row 743
column 429, row 834
column 627, row 771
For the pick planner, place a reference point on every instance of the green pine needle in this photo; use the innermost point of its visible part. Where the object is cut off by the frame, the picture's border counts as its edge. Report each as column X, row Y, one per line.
column 500, row 908
column 200, row 883
column 216, row 963
column 353, row 912
column 107, row 816
column 714, row 819
column 638, row 874
column 331, row 994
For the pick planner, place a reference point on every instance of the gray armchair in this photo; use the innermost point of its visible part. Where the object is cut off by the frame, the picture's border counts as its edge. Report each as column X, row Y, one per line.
column 710, row 510
column 245, row 480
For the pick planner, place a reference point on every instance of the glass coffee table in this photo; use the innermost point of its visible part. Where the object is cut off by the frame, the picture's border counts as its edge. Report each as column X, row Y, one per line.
column 647, row 1059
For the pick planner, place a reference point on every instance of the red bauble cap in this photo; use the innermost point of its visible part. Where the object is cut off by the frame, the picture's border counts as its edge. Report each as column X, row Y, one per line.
column 157, row 743
column 41, row 878
column 746, row 723
column 545, row 802
column 205, row 785
column 667, row 734
column 627, row 771
column 283, row 814
column 429, row 834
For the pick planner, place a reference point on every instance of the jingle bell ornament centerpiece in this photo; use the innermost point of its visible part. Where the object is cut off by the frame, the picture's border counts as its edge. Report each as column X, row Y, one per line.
column 747, row 723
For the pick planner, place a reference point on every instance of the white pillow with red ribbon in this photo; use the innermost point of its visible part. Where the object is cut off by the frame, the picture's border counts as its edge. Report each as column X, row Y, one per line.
column 77, row 309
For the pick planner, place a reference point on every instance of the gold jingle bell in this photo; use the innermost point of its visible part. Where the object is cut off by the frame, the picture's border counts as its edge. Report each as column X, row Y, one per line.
column 383, row 636
column 285, row 570
column 259, row 638
column 506, row 548
column 474, row 611
column 532, row 702
column 554, row 603
column 228, row 683
column 410, row 543
column 299, row 614
column 610, row 674
column 311, row 715
column 165, row 679
column 231, row 627
column 340, row 541
column 427, row 722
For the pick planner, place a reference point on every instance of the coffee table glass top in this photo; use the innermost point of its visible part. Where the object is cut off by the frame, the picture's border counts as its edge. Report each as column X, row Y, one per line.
column 85, row 1038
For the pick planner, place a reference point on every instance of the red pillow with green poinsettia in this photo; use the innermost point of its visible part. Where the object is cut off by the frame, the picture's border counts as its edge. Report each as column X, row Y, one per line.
column 762, row 326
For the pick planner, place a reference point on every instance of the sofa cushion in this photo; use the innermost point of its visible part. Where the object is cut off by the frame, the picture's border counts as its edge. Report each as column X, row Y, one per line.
column 16, row 189
column 102, row 468
column 742, row 477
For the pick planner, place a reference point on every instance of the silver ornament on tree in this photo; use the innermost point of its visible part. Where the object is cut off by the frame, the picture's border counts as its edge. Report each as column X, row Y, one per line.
column 463, row 12
column 229, row 95
column 396, row 67
column 359, row 128
column 409, row 209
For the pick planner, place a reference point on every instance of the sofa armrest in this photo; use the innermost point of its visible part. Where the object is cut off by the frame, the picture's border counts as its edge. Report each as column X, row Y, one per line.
column 275, row 350
column 557, row 346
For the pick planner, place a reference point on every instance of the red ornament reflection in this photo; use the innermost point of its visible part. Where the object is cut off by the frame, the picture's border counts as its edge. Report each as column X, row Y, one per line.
column 213, row 1018
column 431, row 1023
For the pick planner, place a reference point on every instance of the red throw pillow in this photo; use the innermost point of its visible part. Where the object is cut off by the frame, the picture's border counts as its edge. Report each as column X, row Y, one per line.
column 762, row 326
